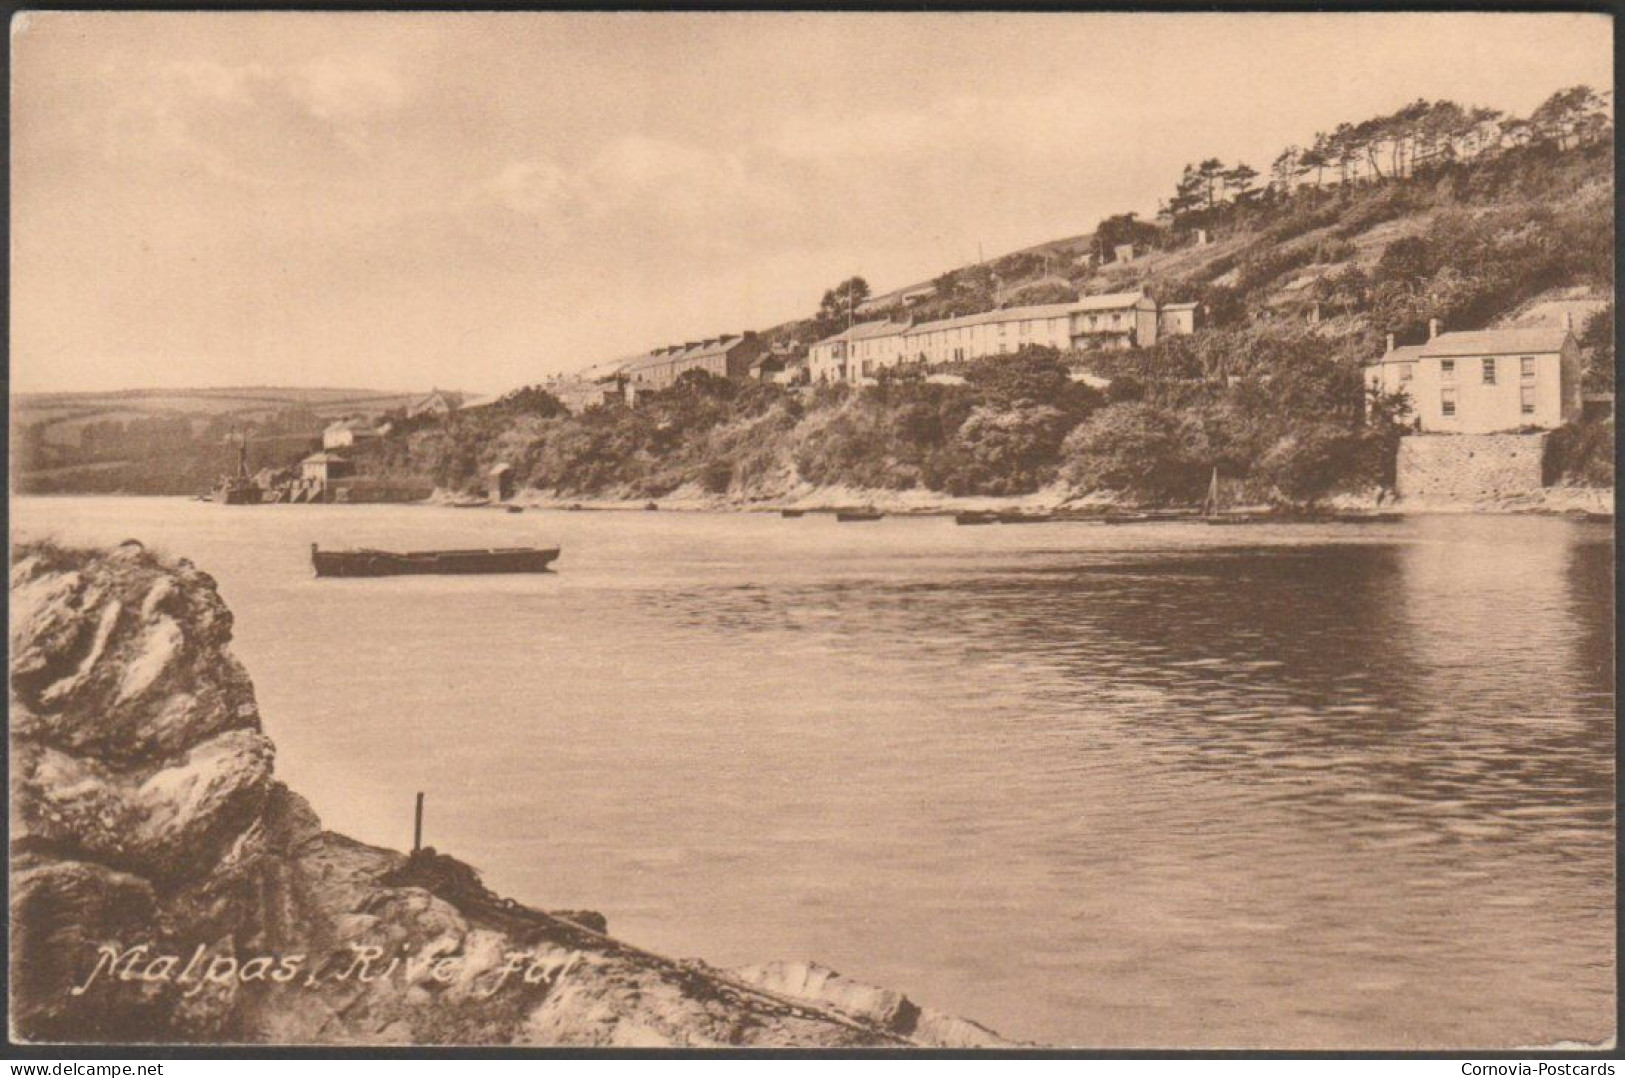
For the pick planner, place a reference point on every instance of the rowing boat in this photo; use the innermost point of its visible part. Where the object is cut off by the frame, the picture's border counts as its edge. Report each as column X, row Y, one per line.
column 367, row 562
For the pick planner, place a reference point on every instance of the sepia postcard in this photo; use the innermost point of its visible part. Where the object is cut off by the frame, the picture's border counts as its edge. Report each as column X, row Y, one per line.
column 965, row 531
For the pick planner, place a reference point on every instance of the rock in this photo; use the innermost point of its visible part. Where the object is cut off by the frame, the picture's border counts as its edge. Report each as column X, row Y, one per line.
column 167, row 888
column 883, row 1006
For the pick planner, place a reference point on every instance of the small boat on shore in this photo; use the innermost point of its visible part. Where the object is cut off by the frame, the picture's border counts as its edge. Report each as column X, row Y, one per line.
column 1366, row 518
column 1023, row 518
column 367, row 562
column 514, row 508
column 976, row 516
column 470, row 503
column 854, row 516
column 791, row 514
column 1241, row 518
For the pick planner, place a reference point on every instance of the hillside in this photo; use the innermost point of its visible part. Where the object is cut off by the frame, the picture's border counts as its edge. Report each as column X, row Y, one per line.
column 1436, row 211
column 1378, row 228
column 173, row 441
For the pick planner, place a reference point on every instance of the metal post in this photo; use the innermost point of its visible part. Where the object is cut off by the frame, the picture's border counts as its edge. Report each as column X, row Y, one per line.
column 417, row 827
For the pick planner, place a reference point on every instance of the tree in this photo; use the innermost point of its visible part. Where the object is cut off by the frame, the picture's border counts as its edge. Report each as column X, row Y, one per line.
column 531, row 400
column 1211, row 173
column 1238, row 181
column 1570, row 117
column 1597, row 344
column 1315, row 159
column 1310, row 460
column 839, row 303
column 1123, row 228
column 1285, row 168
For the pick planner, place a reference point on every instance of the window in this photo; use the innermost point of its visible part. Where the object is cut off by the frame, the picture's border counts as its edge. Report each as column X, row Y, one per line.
column 1489, row 371
column 1447, row 402
column 1447, row 370
column 1527, row 365
column 1526, row 400
column 1407, row 371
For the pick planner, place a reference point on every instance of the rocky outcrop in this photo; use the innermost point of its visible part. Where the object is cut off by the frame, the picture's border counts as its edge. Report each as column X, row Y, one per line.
column 885, row 1007
column 166, row 887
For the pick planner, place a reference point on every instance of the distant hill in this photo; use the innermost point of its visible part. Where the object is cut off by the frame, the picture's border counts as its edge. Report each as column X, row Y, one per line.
column 172, row 441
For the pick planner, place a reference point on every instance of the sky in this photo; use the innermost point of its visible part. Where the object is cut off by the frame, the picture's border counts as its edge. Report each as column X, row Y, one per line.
column 476, row 201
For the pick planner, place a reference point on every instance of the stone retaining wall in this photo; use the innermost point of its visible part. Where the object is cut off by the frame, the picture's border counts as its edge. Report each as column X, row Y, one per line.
column 1469, row 467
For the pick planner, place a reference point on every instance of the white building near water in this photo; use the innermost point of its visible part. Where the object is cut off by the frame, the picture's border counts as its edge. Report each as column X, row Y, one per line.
column 1117, row 320
column 1485, row 381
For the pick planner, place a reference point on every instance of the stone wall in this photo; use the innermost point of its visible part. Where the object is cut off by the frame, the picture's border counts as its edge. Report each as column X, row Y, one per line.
column 1469, row 467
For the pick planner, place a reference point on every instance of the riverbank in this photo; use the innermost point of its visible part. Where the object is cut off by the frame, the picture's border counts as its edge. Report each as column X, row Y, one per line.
column 1053, row 499
column 159, row 868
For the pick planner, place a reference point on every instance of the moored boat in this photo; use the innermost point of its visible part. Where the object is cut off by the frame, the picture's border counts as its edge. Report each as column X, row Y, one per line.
column 792, row 513
column 853, row 516
column 367, row 562
column 1367, row 518
column 976, row 516
column 1023, row 518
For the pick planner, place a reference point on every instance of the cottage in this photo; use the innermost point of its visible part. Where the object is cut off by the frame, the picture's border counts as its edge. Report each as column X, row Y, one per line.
column 320, row 469
column 436, row 403
column 783, row 364
column 728, row 356
column 348, row 433
column 1483, row 381
column 1177, row 319
column 858, row 352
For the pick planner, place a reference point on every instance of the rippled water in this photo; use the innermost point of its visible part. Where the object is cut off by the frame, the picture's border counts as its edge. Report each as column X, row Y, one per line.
column 1114, row 787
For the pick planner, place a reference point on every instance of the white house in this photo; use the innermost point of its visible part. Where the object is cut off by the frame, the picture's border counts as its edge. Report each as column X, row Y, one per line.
column 347, row 433
column 1483, row 381
column 1115, row 320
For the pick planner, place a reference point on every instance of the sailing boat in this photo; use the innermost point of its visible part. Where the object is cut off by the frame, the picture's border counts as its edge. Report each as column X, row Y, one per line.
column 239, row 489
column 1213, row 513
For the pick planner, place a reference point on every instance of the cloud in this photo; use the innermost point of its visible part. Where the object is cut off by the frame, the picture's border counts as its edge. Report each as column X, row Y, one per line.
column 245, row 123
column 538, row 189
column 1040, row 125
column 637, row 178
column 346, row 90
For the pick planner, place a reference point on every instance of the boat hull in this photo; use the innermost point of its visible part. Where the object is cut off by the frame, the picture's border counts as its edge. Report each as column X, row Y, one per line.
column 432, row 562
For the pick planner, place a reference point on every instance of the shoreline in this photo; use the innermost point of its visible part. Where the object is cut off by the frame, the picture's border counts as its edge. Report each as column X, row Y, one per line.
column 152, row 831
column 1548, row 501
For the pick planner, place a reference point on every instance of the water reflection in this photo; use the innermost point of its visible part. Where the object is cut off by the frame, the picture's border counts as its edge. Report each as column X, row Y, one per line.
column 1093, row 786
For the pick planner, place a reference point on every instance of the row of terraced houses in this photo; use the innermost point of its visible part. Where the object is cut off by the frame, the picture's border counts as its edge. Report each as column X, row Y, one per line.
column 858, row 353
column 1117, row 320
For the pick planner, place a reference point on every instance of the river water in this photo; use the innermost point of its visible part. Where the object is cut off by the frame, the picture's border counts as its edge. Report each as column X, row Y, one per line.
column 1160, row 785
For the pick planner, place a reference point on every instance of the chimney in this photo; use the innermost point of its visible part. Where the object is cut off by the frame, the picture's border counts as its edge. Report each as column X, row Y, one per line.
column 1390, row 343
column 1433, row 328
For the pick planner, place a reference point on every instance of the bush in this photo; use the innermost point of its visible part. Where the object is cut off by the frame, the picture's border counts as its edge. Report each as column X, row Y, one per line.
column 1138, row 449
column 1581, row 454
column 1310, row 461
column 1012, row 451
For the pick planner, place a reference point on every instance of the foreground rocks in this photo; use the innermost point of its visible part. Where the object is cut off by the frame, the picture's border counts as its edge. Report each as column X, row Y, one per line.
column 166, row 887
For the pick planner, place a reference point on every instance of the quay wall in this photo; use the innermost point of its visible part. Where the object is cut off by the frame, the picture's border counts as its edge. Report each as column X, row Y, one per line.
column 1469, row 467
